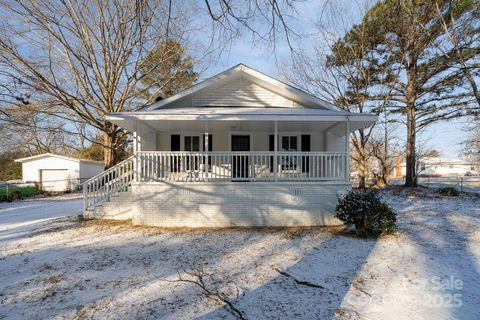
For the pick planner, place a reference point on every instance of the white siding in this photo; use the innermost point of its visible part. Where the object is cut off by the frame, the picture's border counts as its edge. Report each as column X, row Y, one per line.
column 258, row 140
column 31, row 169
column 89, row 169
column 148, row 139
column 334, row 142
column 236, row 93
column 73, row 171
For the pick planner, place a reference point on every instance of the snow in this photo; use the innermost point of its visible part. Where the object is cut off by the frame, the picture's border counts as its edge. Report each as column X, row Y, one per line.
column 54, row 266
column 21, row 217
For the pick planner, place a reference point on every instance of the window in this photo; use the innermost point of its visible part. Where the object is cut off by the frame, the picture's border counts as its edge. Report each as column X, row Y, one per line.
column 289, row 143
column 192, row 144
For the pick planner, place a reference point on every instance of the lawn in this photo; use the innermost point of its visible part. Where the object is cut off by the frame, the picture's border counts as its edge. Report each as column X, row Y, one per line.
column 17, row 192
column 63, row 268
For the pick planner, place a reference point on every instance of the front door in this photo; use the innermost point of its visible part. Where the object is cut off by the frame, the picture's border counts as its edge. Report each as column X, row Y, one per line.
column 240, row 162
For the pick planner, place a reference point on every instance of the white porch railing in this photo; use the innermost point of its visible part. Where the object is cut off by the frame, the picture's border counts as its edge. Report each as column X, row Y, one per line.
column 238, row 166
column 110, row 182
column 214, row 166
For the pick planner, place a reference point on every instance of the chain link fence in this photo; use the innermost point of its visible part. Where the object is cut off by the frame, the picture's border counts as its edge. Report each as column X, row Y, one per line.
column 14, row 190
column 462, row 183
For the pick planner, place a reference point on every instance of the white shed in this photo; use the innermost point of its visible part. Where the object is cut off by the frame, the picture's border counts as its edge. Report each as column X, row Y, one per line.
column 58, row 173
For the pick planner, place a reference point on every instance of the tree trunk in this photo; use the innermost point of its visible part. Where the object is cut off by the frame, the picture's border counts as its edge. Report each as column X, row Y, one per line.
column 473, row 84
column 108, row 151
column 362, row 172
column 411, row 172
column 381, row 179
column 110, row 146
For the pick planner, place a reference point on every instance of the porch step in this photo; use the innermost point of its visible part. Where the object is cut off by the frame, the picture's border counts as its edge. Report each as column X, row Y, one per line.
column 118, row 207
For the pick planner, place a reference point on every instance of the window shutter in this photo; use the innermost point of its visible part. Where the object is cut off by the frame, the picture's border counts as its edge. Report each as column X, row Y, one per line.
column 305, row 147
column 271, row 147
column 174, row 146
column 175, row 142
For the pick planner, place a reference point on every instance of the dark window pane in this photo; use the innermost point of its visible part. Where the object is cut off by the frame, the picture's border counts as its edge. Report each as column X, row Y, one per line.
column 195, row 143
column 175, row 142
column 188, row 143
column 293, row 143
column 285, row 143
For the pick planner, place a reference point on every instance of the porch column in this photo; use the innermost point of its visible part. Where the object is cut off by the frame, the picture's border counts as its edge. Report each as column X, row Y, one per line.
column 137, row 147
column 275, row 150
column 206, row 150
column 347, row 149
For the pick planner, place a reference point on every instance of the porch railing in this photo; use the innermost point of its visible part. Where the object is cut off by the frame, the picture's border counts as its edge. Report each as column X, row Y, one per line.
column 110, row 182
column 214, row 166
column 241, row 166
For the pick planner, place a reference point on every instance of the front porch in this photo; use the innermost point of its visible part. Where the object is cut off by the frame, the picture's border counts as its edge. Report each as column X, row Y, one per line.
column 241, row 166
column 214, row 172
column 251, row 149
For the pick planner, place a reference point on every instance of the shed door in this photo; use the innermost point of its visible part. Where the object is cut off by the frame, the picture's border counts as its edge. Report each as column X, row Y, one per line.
column 54, row 179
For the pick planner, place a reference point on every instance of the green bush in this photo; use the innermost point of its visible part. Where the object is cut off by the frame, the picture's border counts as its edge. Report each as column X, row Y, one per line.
column 364, row 209
column 15, row 193
column 448, row 191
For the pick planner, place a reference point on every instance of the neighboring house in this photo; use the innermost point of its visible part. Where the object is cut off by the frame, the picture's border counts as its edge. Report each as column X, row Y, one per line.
column 58, row 173
column 238, row 149
column 441, row 167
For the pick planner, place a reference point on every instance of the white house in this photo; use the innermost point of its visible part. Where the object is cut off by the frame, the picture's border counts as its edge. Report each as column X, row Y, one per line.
column 442, row 167
column 58, row 173
column 238, row 149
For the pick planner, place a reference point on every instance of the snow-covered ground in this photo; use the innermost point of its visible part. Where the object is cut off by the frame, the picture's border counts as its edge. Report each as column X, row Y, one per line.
column 62, row 268
column 22, row 217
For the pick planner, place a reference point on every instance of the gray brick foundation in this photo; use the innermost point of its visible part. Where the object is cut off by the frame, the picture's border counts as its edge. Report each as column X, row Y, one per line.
column 228, row 204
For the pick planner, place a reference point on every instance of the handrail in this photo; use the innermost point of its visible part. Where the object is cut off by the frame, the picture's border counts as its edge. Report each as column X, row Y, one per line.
column 109, row 182
column 111, row 168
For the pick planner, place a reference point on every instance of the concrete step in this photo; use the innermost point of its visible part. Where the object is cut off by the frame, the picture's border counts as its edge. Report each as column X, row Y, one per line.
column 118, row 207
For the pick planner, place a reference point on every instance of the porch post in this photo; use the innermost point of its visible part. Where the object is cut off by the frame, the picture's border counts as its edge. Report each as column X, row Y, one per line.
column 275, row 150
column 206, row 150
column 136, row 148
column 347, row 149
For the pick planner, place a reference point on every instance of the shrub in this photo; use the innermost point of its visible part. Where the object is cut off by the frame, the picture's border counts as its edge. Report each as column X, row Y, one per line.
column 364, row 209
column 448, row 191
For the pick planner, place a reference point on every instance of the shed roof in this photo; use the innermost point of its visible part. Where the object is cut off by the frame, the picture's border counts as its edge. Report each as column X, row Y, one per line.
column 46, row 155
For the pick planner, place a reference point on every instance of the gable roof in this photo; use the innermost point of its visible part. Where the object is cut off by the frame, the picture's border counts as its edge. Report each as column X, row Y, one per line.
column 280, row 88
column 46, row 155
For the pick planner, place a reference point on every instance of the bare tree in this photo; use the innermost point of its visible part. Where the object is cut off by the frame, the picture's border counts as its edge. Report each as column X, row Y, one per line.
column 384, row 149
column 34, row 133
column 463, row 34
column 89, row 57
column 340, row 72
column 472, row 143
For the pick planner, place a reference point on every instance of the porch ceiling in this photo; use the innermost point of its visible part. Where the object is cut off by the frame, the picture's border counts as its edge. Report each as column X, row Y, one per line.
column 243, row 119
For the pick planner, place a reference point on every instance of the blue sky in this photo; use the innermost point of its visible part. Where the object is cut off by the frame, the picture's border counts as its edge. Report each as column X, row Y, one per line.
column 445, row 137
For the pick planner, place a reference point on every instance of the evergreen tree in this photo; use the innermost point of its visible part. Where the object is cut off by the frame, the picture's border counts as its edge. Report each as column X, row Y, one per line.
column 408, row 45
column 168, row 70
